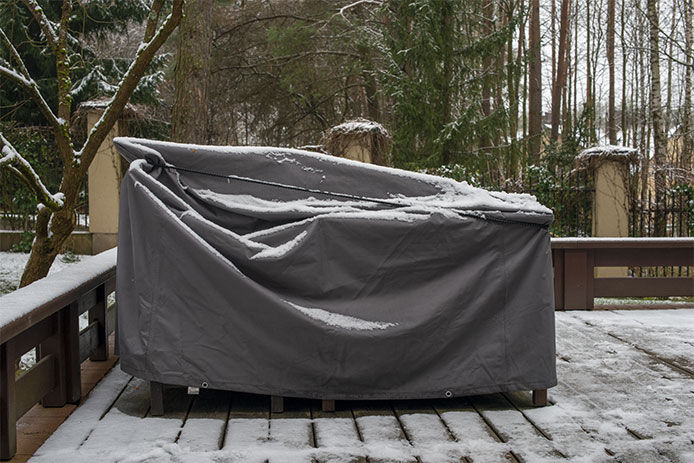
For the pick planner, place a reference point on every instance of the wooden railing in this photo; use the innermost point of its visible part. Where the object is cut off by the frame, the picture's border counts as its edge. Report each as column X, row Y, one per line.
column 575, row 259
column 45, row 315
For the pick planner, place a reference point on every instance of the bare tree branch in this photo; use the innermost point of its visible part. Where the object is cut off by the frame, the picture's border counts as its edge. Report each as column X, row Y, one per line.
column 24, row 79
column 44, row 23
column 260, row 19
column 14, row 54
column 62, row 67
column 153, row 20
column 127, row 85
column 13, row 161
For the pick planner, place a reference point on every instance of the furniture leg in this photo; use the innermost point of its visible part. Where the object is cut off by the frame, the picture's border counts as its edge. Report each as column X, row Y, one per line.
column 540, row 397
column 156, row 398
column 328, row 405
column 276, row 404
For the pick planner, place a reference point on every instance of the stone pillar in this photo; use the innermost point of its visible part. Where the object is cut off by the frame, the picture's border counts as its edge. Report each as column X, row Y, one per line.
column 610, row 166
column 360, row 140
column 105, row 175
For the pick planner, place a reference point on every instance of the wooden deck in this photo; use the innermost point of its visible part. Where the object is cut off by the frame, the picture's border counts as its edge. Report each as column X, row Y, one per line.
column 625, row 393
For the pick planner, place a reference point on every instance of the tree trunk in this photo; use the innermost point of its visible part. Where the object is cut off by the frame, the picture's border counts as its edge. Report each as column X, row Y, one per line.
column 560, row 78
column 589, row 80
column 624, row 75
column 657, row 117
column 189, row 116
column 611, row 118
column 688, row 142
column 535, row 84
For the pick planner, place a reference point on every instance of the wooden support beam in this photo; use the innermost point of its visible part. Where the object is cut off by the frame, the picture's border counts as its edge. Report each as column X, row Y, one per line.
column 644, row 287
column 55, row 346
column 156, row 398
column 35, row 383
column 558, row 267
column 89, row 340
column 578, row 279
column 98, row 314
column 8, row 407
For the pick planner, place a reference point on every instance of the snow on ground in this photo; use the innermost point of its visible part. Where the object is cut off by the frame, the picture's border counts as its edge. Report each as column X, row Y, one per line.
column 625, row 394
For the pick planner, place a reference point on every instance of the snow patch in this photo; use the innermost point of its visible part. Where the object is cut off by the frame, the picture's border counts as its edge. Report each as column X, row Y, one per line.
column 281, row 250
column 341, row 321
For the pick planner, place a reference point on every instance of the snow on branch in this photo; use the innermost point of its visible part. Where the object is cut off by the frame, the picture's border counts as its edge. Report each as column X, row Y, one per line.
column 355, row 4
column 47, row 27
column 12, row 160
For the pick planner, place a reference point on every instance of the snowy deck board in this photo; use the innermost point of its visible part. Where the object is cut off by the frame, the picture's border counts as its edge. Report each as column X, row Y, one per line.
column 625, row 393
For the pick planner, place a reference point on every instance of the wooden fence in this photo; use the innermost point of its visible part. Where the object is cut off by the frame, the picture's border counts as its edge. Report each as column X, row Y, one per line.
column 45, row 316
column 575, row 259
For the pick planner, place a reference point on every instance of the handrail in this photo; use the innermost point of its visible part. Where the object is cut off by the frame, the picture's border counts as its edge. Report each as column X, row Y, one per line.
column 575, row 259
column 45, row 315
column 599, row 242
column 27, row 306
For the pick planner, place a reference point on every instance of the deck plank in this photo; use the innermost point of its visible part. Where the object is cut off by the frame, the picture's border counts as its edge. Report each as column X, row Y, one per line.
column 337, row 435
column 424, row 429
column 123, row 431
column 292, row 431
column 204, row 427
column 528, row 443
column 383, row 436
column 478, row 442
column 248, row 426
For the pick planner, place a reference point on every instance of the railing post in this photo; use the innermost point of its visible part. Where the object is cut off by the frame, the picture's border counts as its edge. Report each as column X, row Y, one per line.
column 64, row 346
column 558, row 268
column 8, row 408
column 98, row 314
column 578, row 279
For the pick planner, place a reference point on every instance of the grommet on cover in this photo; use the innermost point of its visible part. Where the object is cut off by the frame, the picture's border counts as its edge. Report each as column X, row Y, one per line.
column 448, row 394
column 204, row 385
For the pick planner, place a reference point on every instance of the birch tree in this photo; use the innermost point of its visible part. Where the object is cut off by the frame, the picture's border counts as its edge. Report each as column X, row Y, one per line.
column 55, row 219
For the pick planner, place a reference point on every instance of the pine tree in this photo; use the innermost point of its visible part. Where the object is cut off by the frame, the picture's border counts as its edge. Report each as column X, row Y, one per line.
column 441, row 64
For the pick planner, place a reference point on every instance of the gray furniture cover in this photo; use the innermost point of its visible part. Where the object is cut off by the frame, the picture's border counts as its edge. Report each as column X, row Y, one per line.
column 377, row 283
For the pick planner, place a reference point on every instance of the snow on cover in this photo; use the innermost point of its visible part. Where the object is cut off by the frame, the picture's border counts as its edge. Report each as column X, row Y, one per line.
column 454, row 194
column 341, row 321
column 281, row 250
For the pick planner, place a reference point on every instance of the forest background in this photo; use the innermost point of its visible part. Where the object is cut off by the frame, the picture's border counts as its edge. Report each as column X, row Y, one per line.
column 500, row 93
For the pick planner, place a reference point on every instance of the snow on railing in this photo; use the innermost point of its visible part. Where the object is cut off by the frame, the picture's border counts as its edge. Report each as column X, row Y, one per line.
column 45, row 314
